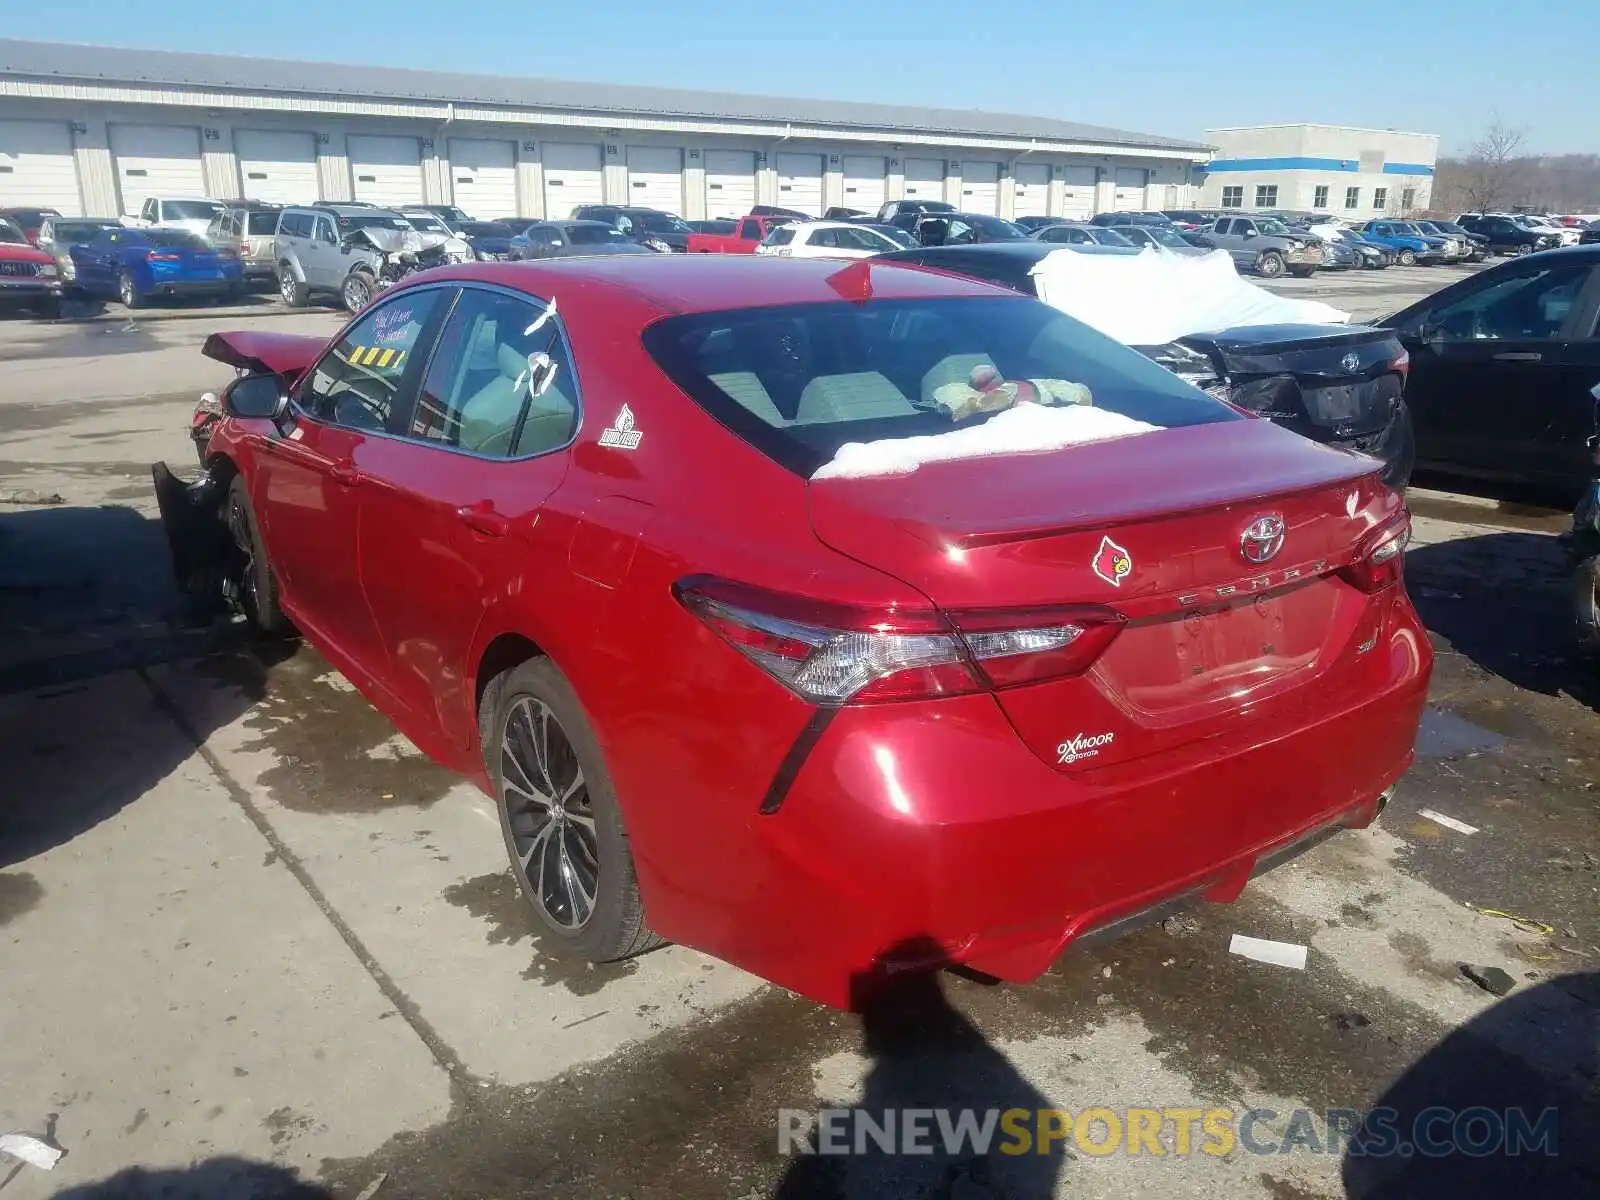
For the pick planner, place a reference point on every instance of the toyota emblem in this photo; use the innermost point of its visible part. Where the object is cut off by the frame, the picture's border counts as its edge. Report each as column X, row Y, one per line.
column 1262, row 539
column 1351, row 363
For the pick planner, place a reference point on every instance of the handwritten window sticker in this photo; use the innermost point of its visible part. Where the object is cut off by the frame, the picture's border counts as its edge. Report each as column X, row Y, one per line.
column 541, row 373
column 549, row 311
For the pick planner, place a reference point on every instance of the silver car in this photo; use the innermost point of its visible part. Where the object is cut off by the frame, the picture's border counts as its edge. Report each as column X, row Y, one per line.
column 316, row 256
column 251, row 228
column 58, row 235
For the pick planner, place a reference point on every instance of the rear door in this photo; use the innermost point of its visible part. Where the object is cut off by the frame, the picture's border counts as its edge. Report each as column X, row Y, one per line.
column 310, row 484
column 1500, row 373
column 452, row 506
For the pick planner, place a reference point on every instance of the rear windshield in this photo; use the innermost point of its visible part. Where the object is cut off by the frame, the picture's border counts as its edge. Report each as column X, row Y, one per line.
column 798, row 382
column 189, row 210
column 781, row 236
column 263, row 224
column 486, row 229
column 175, row 237
column 590, row 235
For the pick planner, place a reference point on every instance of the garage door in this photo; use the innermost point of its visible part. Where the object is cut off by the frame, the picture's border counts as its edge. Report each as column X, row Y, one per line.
column 386, row 170
column 1077, row 198
column 800, row 183
column 655, row 178
column 1130, row 188
column 863, row 182
column 980, row 187
column 571, row 177
column 483, row 176
column 1032, row 198
column 730, row 183
column 156, row 160
column 36, row 167
column 924, row 179
column 278, row 166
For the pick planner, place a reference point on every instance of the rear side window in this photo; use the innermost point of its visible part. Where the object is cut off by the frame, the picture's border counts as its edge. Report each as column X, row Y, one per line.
column 798, row 382
column 492, row 357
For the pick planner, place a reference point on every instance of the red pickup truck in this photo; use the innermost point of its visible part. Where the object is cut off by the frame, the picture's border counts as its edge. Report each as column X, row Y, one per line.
column 744, row 239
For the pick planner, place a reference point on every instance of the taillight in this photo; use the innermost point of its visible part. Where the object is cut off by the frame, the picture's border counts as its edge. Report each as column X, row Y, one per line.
column 1401, row 365
column 1381, row 556
column 832, row 654
column 163, row 256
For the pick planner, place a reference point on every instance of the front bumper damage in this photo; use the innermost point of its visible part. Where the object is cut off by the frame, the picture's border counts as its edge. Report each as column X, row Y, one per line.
column 205, row 561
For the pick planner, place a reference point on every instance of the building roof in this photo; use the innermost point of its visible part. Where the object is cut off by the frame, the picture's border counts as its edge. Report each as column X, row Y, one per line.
column 69, row 62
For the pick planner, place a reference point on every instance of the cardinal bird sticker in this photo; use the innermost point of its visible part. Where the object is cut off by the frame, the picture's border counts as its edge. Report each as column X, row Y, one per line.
column 1112, row 563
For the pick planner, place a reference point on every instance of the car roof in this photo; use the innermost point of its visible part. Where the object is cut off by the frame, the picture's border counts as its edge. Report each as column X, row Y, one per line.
column 663, row 284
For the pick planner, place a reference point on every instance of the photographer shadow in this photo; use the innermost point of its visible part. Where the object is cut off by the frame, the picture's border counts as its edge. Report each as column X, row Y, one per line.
column 926, row 1055
column 1534, row 1060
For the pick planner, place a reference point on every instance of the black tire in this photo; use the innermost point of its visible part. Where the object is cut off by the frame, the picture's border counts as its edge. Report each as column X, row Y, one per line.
column 1302, row 272
column 258, row 586
column 291, row 289
column 127, row 292
column 1523, row 250
column 1270, row 264
column 358, row 290
column 613, row 925
column 48, row 309
column 1586, row 605
column 1407, row 258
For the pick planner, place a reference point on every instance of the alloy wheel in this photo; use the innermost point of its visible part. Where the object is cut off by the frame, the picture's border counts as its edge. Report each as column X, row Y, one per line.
column 548, row 813
column 286, row 287
column 126, row 293
column 356, row 293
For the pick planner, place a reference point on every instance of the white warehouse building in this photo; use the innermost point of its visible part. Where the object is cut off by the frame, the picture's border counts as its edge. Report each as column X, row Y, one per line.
column 93, row 131
column 1348, row 173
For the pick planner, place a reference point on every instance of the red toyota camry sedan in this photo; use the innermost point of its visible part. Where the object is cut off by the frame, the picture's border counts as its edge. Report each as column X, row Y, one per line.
column 803, row 613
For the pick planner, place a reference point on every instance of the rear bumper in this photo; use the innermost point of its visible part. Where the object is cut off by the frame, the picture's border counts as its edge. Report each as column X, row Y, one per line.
column 184, row 287
column 930, row 826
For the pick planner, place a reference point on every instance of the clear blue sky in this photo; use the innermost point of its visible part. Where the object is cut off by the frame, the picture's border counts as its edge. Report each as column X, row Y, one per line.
column 1158, row 66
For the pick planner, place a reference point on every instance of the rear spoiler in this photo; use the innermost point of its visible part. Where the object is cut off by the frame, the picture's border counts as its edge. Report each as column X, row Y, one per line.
column 283, row 354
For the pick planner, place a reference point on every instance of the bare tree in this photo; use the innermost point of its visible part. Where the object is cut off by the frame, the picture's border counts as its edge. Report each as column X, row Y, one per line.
column 1490, row 180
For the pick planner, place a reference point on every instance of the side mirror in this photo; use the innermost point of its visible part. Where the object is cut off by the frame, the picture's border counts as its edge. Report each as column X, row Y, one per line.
column 256, row 396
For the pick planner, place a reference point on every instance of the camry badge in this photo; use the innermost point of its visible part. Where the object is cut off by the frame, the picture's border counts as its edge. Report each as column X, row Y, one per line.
column 1351, row 362
column 1262, row 539
column 1112, row 563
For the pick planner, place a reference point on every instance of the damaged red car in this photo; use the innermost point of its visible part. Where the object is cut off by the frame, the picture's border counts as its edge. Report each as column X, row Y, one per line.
column 830, row 621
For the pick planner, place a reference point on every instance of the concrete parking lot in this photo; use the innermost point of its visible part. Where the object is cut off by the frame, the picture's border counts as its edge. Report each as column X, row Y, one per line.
column 252, row 945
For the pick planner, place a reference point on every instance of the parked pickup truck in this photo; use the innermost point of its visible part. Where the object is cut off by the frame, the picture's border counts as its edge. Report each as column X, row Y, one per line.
column 1264, row 245
column 744, row 239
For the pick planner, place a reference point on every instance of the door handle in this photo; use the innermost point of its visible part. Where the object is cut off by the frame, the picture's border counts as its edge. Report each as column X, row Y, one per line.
column 484, row 520
column 1519, row 356
column 346, row 475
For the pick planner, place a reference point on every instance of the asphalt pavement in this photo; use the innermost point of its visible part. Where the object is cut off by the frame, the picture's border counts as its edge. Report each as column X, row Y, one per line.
column 254, row 945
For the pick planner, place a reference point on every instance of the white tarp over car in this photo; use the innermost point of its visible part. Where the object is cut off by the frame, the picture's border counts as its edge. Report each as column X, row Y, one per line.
column 1152, row 298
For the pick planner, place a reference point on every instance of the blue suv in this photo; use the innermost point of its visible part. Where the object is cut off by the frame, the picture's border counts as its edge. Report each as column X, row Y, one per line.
column 1409, row 244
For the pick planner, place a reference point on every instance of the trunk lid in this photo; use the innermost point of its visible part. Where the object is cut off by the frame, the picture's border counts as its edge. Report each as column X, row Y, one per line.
column 1321, row 380
column 1152, row 526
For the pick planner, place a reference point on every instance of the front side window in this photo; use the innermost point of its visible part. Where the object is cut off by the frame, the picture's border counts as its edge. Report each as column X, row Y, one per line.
column 1267, row 195
column 1527, row 306
column 1380, row 198
column 1319, row 197
column 799, row 381
column 355, row 383
column 324, row 230
column 500, row 383
column 1352, row 197
column 1233, row 197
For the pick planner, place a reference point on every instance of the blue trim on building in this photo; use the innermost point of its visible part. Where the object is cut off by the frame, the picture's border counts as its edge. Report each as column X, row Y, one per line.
column 1349, row 165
